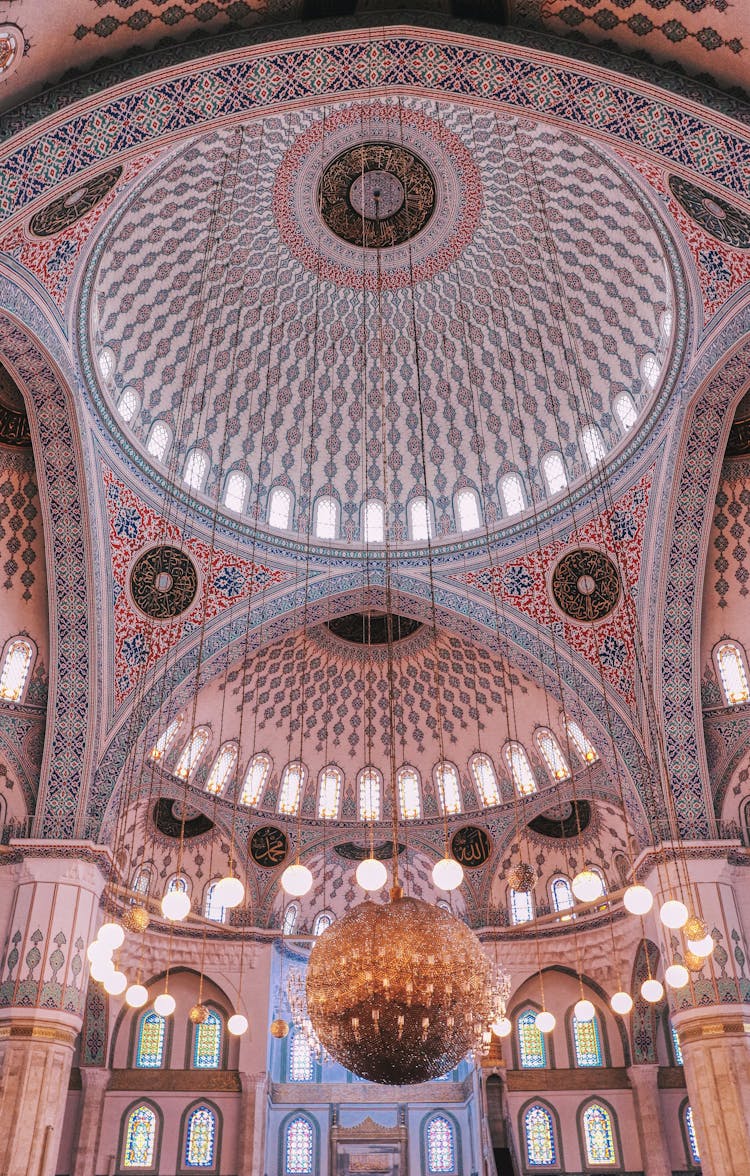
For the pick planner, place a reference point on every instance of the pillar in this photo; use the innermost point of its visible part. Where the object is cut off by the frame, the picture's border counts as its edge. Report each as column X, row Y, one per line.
column 251, row 1157
column 644, row 1081
column 43, row 978
column 94, row 1083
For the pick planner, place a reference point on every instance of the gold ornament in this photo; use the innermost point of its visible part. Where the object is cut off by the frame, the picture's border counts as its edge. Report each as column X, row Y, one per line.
column 198, row 1014
column 694, row 963
column 136, row 919
column 521, row 878
column 695, row 929
column 279, row 1028
column 400, row 993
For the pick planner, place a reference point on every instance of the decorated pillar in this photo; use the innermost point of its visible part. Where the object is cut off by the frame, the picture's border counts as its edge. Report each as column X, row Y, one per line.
column 43, row 980
column 94, row 1083
column 644, row 1081
column 252, row 1142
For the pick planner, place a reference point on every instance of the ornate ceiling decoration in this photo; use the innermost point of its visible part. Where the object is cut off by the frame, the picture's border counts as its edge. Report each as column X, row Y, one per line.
column 717, row 216
column 65, row 210
column 377, row 195
column 163, row 582
column 372, row 628
column 14, row 424
column 586, row 585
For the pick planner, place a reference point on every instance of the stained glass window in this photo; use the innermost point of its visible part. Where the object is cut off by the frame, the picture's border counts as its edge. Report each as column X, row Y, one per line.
column 15, row 669
column 255, row 779
column 235, row 490
column 329, row 793
column 532, row 1050
column 152, row 1032
column 520, row 769
column 441, row 1149
column 290, row 918
column 192, row 753
column 369, row 795
column 142, row 881
column 140, row 1138
column 562, row 894
column 410, row 799
column 732, row 672
column 222, row 769
column 598, row 1135
column 585, row 749
column 291, row 786
column 301, row 1062
column 676, row 1045
column 159, row 440
column 298, row 1147
column 511, row 489
column 165, row 739
column 467, row 510
column 552, row 754
column 690, row 1128
column 200, row 1138
column 322, row 922
column 521, row 906
column 448, row 788
column 540, row 1137
column 553, row 468
column 374, row 522
column 207, row 1043
column 587, row 1042
column 483, row 771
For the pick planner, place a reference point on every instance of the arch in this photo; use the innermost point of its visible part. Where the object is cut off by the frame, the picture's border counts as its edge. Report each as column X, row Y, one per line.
column 539, row 1130
column 373, row 521
column 151, row 1042
column 420, row 520
column 289, row 921
column 440, row 1143
column 586, row 1041
column 222, row 768
column 192, row 753
column 512, row 494
column 448, row 786
column 468, row 510
column 583, row 745
column 369, row 793
column 689, row 1137
column 730, row 660
column 195, row 469
column 256, row 775
column 322, row 921
column 554, row 472
column 141, row 1129
column 107, row 363
column 625, row 411
column 290, row 792
column 485, row 778
column 200, row 1137
column 208, row 1045
column 326, row 517
column 159, row 440
column 599, row 1134
column 530, row 1044
column 298, row 1145
column 409, row 793
column 561, row 893
column 650, row 370
column 142, row 879
column 128, row 403
column 212, row 907
column 280, row 508
column 236, row 491
column 17, row 657
column 330, row 783
column 520, row 768
column 552, row 754
column 521, row 904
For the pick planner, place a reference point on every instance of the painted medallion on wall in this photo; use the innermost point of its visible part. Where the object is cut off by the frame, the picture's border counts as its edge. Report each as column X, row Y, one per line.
column 717, row 216
column 377, row 195
column 176, row 820
column 586, row 585
column 566, row 820
column 471, row 846
column 64, row 211
column 269, row 846
column 163, row 582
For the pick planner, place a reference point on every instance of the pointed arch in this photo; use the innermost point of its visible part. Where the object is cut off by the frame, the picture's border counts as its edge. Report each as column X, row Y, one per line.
column 140, row 1137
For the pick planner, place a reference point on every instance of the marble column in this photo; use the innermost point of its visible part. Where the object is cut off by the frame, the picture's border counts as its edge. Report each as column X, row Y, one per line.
column 94, row 1083
column 644, row 1081
column 43, row 978
column 251, row 1155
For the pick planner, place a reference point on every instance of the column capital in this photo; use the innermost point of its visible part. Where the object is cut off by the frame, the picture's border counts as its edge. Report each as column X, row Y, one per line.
column 712, row 1022
column 95, row 1077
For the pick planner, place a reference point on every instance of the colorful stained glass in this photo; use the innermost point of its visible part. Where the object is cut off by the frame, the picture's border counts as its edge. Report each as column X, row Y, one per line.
column 676, row 1045
column 562, row 895
column 441, row 1150
column 587, row 1042
column 540, row 1137
column 690, row 1126
column 300, row 1059
column 531, row 1048
column 151, row 1035
column 200, row 1139
column 140, row 1138
column 598, row 1135
column 207, row 1043
column 298, row 1147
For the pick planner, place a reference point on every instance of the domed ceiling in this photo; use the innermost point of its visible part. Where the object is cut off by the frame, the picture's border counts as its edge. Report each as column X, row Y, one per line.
column 512, row 284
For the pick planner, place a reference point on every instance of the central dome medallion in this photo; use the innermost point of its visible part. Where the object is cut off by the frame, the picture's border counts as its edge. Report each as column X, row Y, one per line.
column 377, row 195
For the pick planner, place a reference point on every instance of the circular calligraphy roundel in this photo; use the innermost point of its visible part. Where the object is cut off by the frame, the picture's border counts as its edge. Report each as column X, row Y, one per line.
column 65, row 210
column 377, row 195
column 717, row 216
column 163, row 582
column 471, row 846
column 585, row 585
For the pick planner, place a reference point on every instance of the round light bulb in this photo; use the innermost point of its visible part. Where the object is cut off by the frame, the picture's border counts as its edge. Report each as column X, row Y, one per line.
column 98, row 951
column 701, row 947
column 652, row 990
column 229, row 892
column 447, row 874
column 501, row 1027
column 676, row 975
column 638, row 900
column 584, row 1010
column 545, row 1021
column 673, row 914
column 175, row 905
column 371, row 874
column 136, row 996
column 622, row 1003
column 115, row 983
column 165, row 1004
column 101, row 969
column 296, row 880
column 237, row 1024
column 111, row 934
column 587, row 886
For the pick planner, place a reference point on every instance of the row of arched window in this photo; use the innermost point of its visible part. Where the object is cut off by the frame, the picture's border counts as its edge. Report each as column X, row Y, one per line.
column 522, row 905
column 152, row 1042
column 586, row 1041
column 212, row 908
column 321, row 922
column 15, row 666
column 370, row 780
column 142, row 1138
column 598, row 1132
column 299, row 1145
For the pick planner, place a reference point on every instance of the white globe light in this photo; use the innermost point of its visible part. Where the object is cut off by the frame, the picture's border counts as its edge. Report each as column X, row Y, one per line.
column 175, row 905
column 622, row 1003
column 98, row 951
column 701, row 947
column 447, row 874
column 545, row 1021
column 101, row 969
column 112, row 934
column 652, row 990
column 587, row 886
column 676, row 975
column 584, row 1010
column 673, row 914
column 136, row 996
column 638, row 900
column 165, row 1004
column 115, row 983
column 296, row 880
column 501, row 1027
column 237, row 1024
column 229, row 892
column 371, row 874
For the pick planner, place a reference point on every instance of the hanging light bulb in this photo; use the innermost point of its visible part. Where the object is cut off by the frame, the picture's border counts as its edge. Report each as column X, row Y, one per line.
column 545, row 1021
column 676, row 975
column 673, row 914
column 111, row 934
column 652, row 990
column 296, row 880
column 584, row 1010
column 447, row 874
column 622, row 1003
column 101, row 969
column 98, row 951
column 229, row 892
column 165, row 1004
column 237, row 1024
column 115, row 983
column 587, row 886
column 371, row 874
column 175, row 905
column 136, row 996
column 638, row 900
column 701, row 947
column 501, row 1027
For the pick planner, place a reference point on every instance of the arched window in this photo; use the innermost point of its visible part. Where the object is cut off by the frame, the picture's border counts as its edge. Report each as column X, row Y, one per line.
column 370, row 787
column 298, row 1147
column 200, row 1138
column 420, row 520
column 165, row 739
column 373, row 525
column 520, row 769
column 695, row 1155
column 280, row 509
column 539, row 1133
column 602, row 882
column 562, row 894
column 222, row 769
column 598, row 1135
column 159, row 440
column 449, row 789
column 582, row 744
column 326, row 518
column 511, row 492
column 553, row 469
column 440, row 1145
column 731, row 665
column 292, row 780
column 587, row 1042
column 255, row 779
column 291, row 914
column 409, row 796
column 128, row 404
column 301, row 1061
column 552, row 754
column 323, row 920
column 107, row 363
column 625, row 410
column 235, row 491
column 18, row 655
column 195, row 471
column 593, row 446
column 141, row 883
column 150, row 1041
column 468, row 514
column 212, row 907
column 650, row 369
column 483, row 771
column 207, row 1042
column 532, row 1049
column 329, row 793
column 192, row 753
column 676, row 1047
column 521, row 905
column 139, row 1138
column 665, row 322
